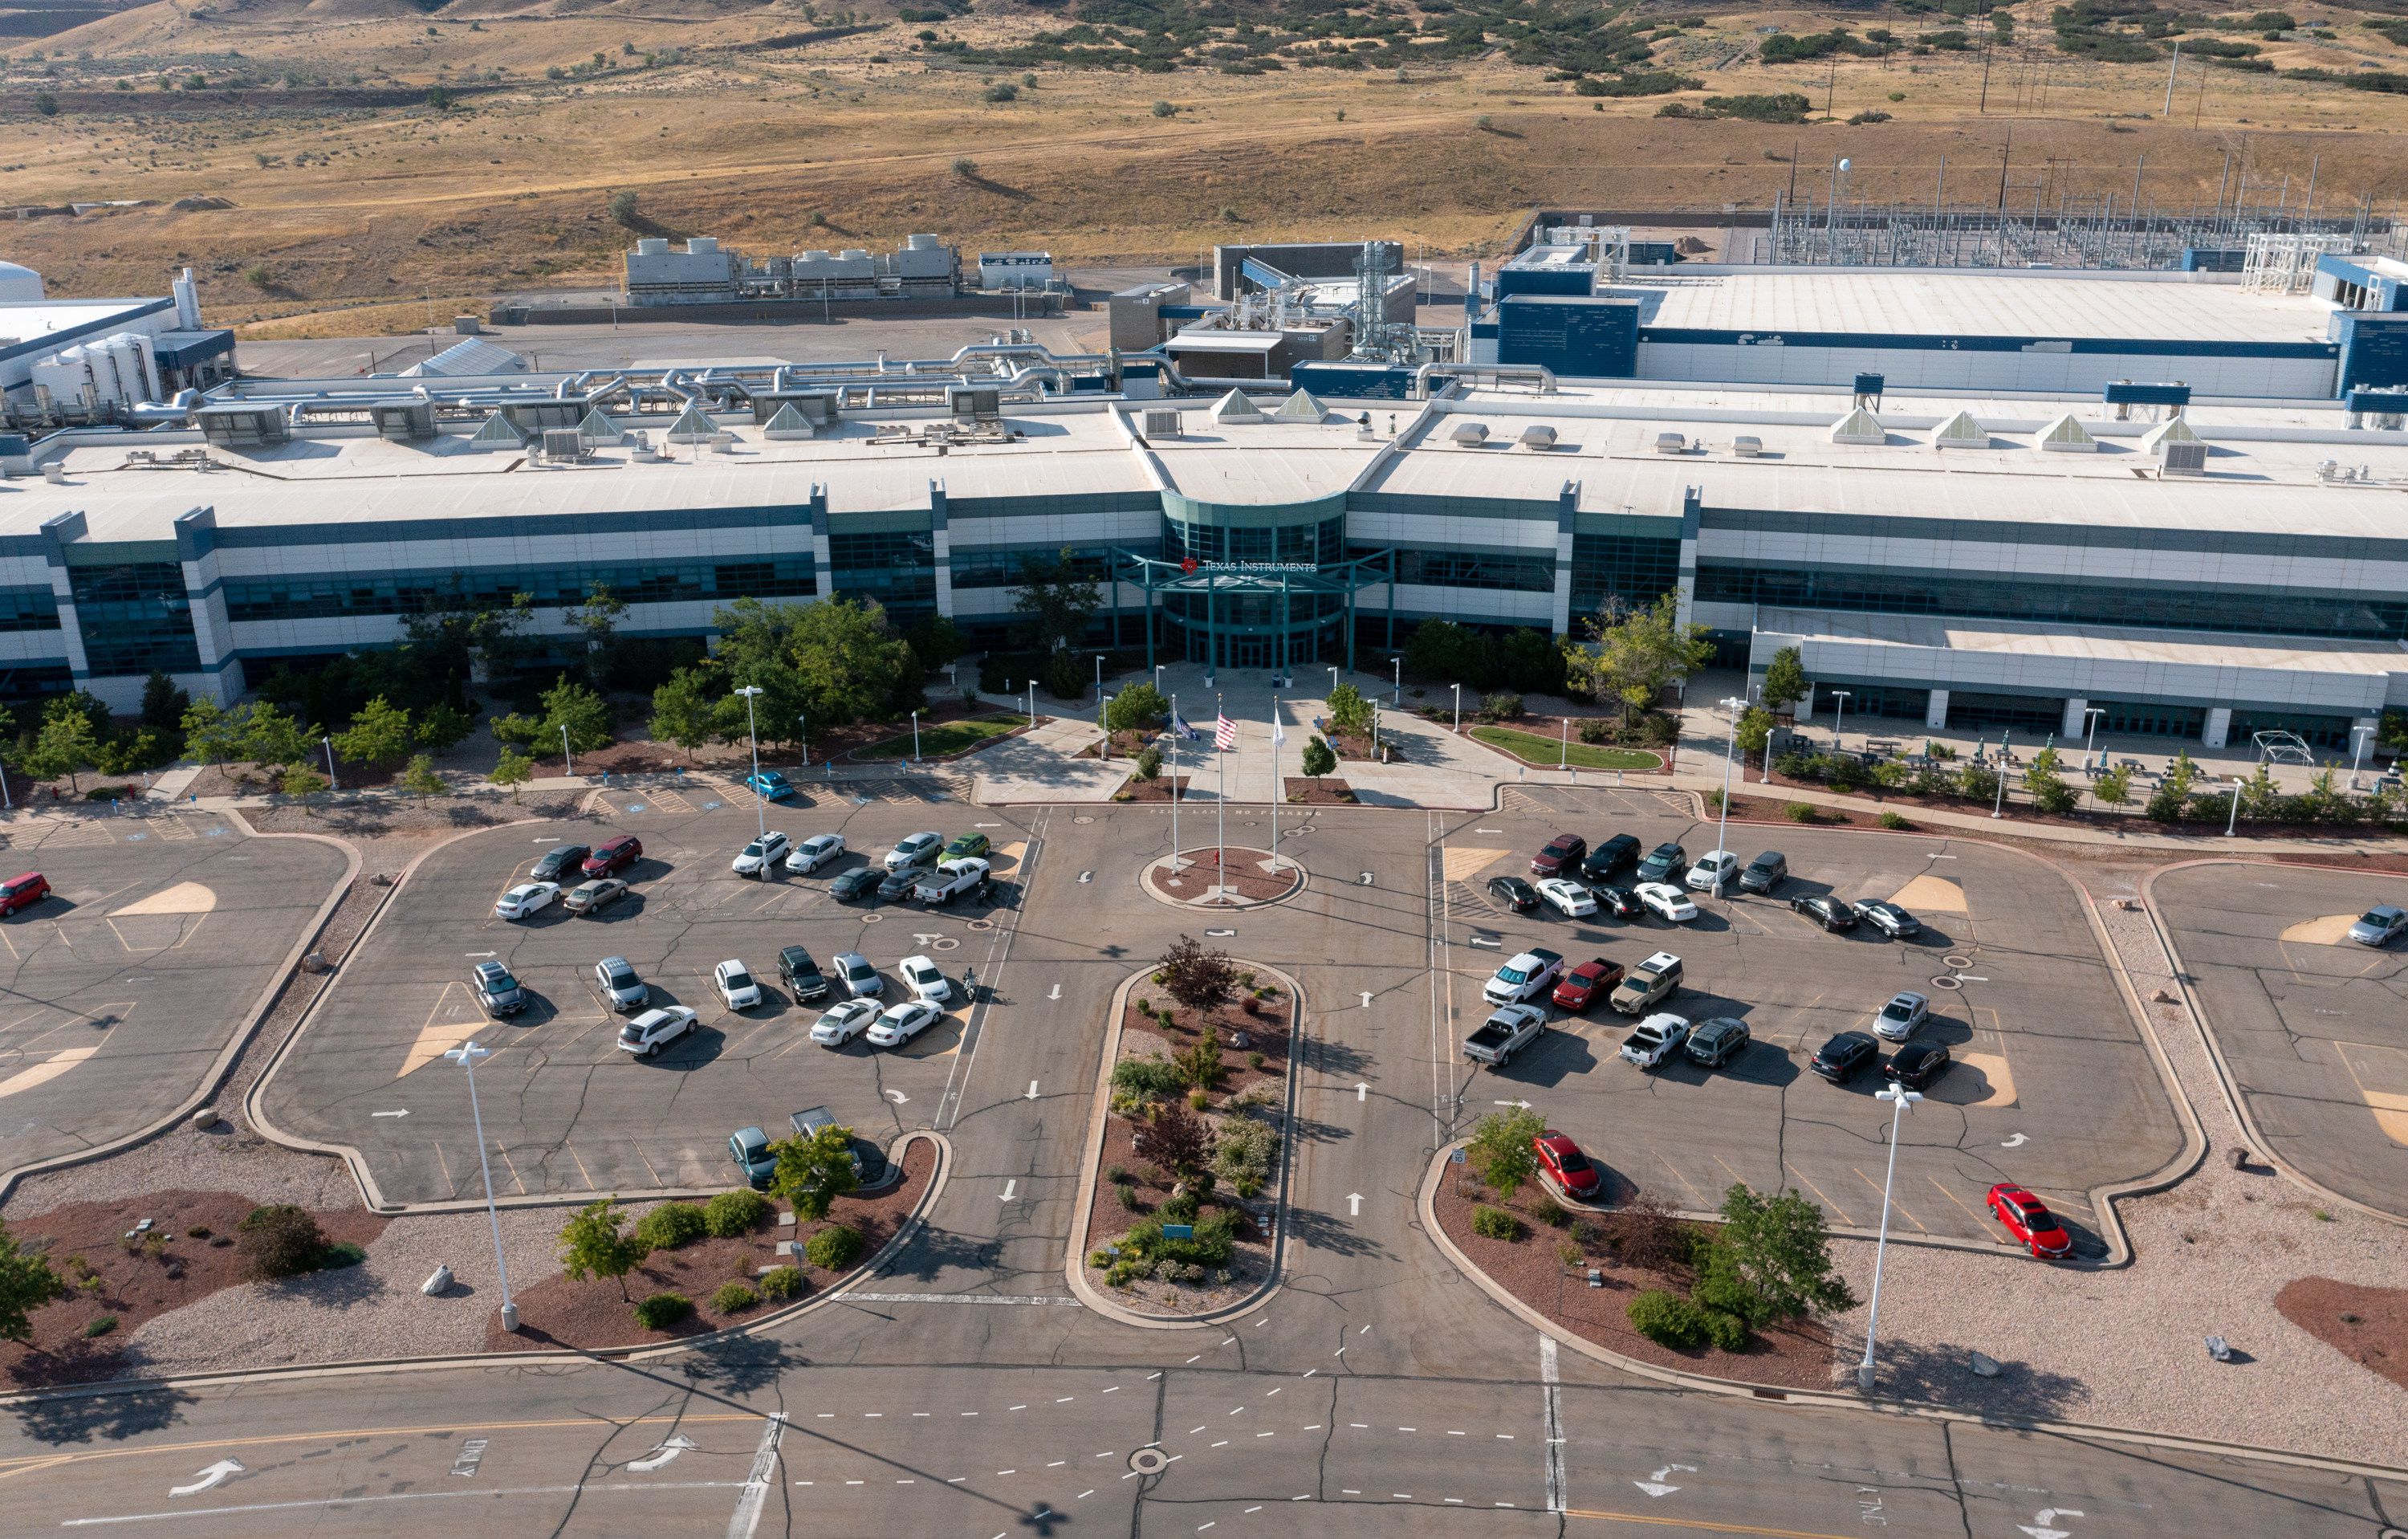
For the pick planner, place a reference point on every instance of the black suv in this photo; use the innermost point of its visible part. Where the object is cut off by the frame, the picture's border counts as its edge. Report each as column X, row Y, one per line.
column 497, row 990
column 1841, row 1056
column 1765, row 872
column 800, row 975
column 1609, row 858
column 562, row 863
column 1665, row 863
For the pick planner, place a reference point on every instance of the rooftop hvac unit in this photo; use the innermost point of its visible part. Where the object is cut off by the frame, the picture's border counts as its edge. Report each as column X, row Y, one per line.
column 2185, row 459
column 564, row 446
column 239, row 426
column 1161, row 424
column 404, row 422
column 816, row 406
column 1671, row 443
column 1747, row 446
column 531, row 417
column 1538, row 436
column 975, row 403
column 1471, row 435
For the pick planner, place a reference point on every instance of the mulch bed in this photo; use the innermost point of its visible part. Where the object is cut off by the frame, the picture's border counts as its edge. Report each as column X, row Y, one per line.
column 410, row 814
column 1795, row 1356
column 132, row 1285
column 639, row 754
column 1172, row 1030
column 2367, row 861
column 561, row 1311
column 888, row 734
column 2367, row 1325
column 1204, row 870
column 1319, row 791
column 1160, row 789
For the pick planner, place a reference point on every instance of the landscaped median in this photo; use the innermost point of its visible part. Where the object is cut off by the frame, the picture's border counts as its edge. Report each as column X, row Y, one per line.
column 945, row 740
column 1559, row 752
column 1186, row 1181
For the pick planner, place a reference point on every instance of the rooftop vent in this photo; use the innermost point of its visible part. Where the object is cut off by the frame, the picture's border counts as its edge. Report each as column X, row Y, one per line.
column 1538, row 436
column 404, row 422
column 975, row 403
column 1300, row 407
column 243, row 425
column 1160, row 424
column 816, row 406
column 1747, row 446
column 2173, row 430
column 788, row 424
column 1671, row 443
column 1471, row 435
column 596, row 428
column 2185, row 458
column 533, row 417
column 2067, row 436
column 1961, row 431
column 1859, row 427
column 498, row 432
column 691, row 426
column 564, row 446
column 1235, row 407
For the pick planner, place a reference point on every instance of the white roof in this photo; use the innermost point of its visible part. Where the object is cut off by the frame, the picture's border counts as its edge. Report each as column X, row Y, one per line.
column 2113, row 644
column 1225, row 342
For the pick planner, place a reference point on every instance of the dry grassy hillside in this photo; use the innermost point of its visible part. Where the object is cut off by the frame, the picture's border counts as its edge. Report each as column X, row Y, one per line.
column 306, row 128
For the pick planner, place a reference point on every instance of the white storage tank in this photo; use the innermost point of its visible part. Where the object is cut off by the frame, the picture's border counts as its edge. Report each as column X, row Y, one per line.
column 18, row 285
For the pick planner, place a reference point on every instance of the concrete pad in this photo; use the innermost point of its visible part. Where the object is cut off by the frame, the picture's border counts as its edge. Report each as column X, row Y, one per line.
column 42, row 1074
column 1977, row 1079
column 2381, row 1074
column 1931, row 894
column 1462, row 864
column 455, row 1017
column 184, row 898
column 2332, row 930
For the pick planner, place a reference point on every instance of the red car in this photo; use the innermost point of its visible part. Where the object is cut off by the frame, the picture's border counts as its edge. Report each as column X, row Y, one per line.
column 2027, row 1218
column 613, row 856
column 1565, row 1165
column 1561, row 856
column 24, row 891
column 1584, row 984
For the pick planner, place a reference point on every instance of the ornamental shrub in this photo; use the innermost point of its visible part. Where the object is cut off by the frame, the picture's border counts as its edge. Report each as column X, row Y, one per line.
column 1668, row 1319
column 782, row 1283
column 734, row 1213
column 734, row 1299
column 834, row 1248
column 1491, row 1223
column 671, row 1225
column 663, row 1310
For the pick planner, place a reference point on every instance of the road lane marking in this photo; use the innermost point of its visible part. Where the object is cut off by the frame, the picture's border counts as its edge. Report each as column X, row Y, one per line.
column 42, row 1074
column 747, row 1516
column 186, row 1515
column 1894, row 1201
column 1818, row 1191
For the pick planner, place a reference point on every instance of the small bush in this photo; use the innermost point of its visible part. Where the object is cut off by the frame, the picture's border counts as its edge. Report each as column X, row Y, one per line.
column 1798, row 811
column 1118, row 1176
column 1895, row 820
column 1198, row 1099
column 341, row 1254
column 1495, row 1222
column 1255, row 1060
column 1668, row 1319
column 1725, row 1329
column 1502, row 706
column 663, row 1310
column 101, row 1326
column 1003, row 91
column 1568, row 1253
column 734, row 1299
column 1128, row 1197
column 198, row 1232
column 734, row 1213
column 671, row 1225
column 1148, row 1079
column 782, row 1283
column 1550, row 1213
column 834, row 1248
column 281, row 1241
column 1164, row 109
column 1182, row 1209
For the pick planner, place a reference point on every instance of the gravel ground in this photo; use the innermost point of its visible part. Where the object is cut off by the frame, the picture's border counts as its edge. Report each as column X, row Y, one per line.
column 2125, row 1347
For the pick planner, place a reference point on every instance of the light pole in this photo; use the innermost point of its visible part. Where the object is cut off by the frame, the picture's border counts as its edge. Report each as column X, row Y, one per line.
column 1722, row 832
column 2358, row 736
column 751, row 733
column 1333, row 681
column 1899, row 1099
column 915, row 738
column 2090, row 728
column 568, row 765
column 2234, row 821
column 1839, row 715
column 465, row 1055
column 1998, row 799
column 1564, row 748
column 1104, row 720
column 1397, row 700
column 333, row 784
column 1459, row 711
column 1099, row 677
column 1157, row 676
column 803, row 734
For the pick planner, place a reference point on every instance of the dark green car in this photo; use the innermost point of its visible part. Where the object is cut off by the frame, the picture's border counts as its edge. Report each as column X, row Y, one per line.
column 967, row 847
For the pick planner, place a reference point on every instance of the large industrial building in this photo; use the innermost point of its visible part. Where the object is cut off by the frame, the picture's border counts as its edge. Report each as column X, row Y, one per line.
column 2164, row 559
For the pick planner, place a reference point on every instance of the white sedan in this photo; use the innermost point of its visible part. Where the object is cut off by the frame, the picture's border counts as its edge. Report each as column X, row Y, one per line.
column 1665, row 901
column 655, row 1029
column 735, row 984
column 526, row 901
column 925, row 980
column 813, row 853
column 841, row 1023
column 1567, row 897
column 900, row 1023
column 1713, row 870
column 760, row 856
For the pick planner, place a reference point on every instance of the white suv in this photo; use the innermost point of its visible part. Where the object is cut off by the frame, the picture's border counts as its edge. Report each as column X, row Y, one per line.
column 760, row 856
column 1713, row 870
column 734, row 984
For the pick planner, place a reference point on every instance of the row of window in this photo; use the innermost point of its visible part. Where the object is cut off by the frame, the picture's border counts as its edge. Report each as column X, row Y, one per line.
column 135, row 617
column 2298, row 613
column 1006, row 567
column 897, row 571
column 1508, row 571
column 416, row 592
column 1323, row 543
column 28, row 609
column 1631, row 569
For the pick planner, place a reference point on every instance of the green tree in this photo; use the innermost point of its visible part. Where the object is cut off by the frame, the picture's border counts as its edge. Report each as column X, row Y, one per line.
column 2113, row 787
column 935, row 640
column 577, row 712
column 599, row 618
column 1501, row 1152
column 299, row 779
column 513, row 769
column 2049, row 792
column 622, row 207
column 593, row 1245
column 1198, row 976
column 1349, row 712
column 272, row 737
column 684, row 709
column 2261, row 799
column 1777, row 1253
column 2392, row 733
column 837, row 661
column 1784, row 679
column 1149, row 763
column 1755, row 729
column 65, row 744
column 1639, row 654
column 162, row 703
column 418, row 777
column 517, row 730
column 26, row 1284
column 380, row 734
column 1318, row 758
column 2166, row 803
column 443, row 727
column 1054, row 602
column 813, row 1172
column 1137, row 707
column 212, row 732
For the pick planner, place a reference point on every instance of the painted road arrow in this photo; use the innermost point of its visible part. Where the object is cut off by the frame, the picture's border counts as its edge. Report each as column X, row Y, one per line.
column 388, row 1114
column 216, row 1475
column 661, row 1455
column 1654, row 1485
column 2043, row 1523
column 2014, row 1143
column 1361, row 1090
column 1353, row 1205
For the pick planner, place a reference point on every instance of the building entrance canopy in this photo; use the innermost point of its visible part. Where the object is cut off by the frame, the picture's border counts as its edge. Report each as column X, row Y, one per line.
column 1275, row 614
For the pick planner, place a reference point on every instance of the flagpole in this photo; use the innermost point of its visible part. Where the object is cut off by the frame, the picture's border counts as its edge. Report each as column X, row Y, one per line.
column 1275, row 784
column 1174, row 787
column 1221, row 837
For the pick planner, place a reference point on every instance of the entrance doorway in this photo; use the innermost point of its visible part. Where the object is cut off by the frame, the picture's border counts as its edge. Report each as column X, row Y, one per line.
column 1252, row 652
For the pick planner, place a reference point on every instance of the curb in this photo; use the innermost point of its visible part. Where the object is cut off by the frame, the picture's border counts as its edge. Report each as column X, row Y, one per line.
column 1303, row 880
column 1074, row 1264
column 2225, row 1078
column 222, row 1066
column 1823, row 1399
column 907, row 1231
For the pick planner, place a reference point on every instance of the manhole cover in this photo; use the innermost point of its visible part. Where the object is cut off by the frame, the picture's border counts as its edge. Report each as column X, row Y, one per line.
column 871, row 918
column 1959, row 963
column 1083, row 818
column 1945, row 982
column 981, row 924
column 1149, row 1461
column 944, row 942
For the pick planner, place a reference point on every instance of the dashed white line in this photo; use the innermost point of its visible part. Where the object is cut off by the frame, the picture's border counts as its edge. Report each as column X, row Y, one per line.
column 1193, row 1431
column 1267, row 1434
column 1151, row 1377
column 1349, row 1490
column 1309, row 1372
column 1275, row 1391
column 1451, row 1432
column 1113, row 1390
column 1198, row 1356
column 919, row 1412
column 1083, row 1495
column 1020, row 1407
column 1362, row 1426
column 1235, row 1409
column 1222, row 1444
column 1065, row 1400
column 1314, row 1427
column 1057, row 1464
column 874, row 1415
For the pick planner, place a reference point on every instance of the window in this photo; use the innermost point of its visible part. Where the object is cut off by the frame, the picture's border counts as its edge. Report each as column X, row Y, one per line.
column 28, row 609
column 1321, row 542
column 2036, row 715
column 1636, row 570
column 992, row 567
column 1512, row 571
column 134, row 618
column 2139, row 718
column 413, row 593
column 896, row 569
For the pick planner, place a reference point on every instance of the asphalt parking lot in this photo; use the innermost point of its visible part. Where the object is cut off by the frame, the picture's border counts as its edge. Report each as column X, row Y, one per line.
column 122, row 988
column 2051, row 1086
column 564, row 1109
column 2312, row 1027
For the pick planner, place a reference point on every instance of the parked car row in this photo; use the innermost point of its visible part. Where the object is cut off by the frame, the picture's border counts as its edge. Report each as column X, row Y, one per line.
column 597, row 869
column 1665, row 877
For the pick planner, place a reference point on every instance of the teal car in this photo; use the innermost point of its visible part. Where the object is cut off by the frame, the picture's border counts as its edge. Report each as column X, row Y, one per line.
column 769, row 786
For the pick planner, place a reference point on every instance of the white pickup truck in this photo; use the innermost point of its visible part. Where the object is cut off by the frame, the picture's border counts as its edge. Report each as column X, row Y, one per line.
column 1510, row 1030
column 951, row 879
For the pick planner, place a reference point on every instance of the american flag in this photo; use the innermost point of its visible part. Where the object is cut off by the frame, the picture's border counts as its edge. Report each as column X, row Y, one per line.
column 1224, row 733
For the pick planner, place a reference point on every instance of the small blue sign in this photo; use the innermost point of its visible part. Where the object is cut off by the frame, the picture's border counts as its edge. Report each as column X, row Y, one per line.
column 1179, row 1231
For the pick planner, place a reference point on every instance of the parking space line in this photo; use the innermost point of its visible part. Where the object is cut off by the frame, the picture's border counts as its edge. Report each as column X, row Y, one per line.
column 1726, row 1165
column 450, row 1185
column 1844, row 1216
column 583, row 1174
column 1954, row 1198
column 1678, row 1176
column 1903, row 1211
column 647, row 1162
column 509, row 1165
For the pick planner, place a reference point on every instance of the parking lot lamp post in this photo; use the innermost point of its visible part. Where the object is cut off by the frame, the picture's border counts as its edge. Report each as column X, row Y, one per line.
column 2090, row 728
column 1174, row 786
column 1157, row 676
column 568, row 764
column 1839, row 715
column 334, row 785
column 751, row 733
column 1100, row 676
column 1398, row 699
column 2234, row 820
column 1459, row 711
column 1730, row 750
column 1998, row 798
column 803, row 735
column 2358, row 736
column 1564, row 745
column 1899, row 1099
column 915, row 736
column 465, row 1055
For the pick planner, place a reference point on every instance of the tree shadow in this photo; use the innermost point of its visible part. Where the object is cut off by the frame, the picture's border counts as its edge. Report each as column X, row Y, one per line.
column 101, row 1417
column 931, row 1251
column 1941, row 1374
column 743, row 1365
column 1335, row 1235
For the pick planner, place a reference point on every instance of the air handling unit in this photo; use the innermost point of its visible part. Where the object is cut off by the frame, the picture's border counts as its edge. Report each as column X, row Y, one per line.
column 708, row 273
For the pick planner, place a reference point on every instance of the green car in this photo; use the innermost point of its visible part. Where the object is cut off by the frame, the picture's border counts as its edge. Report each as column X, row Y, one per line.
column 967, row 847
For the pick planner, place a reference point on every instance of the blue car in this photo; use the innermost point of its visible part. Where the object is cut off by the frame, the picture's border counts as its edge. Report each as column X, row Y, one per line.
column 770, row 784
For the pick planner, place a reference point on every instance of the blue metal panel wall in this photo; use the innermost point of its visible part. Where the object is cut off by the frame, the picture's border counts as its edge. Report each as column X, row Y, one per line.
column 2210, row 259
column 1584, row 338
column 2373, row 351
column 1579, row 278
column 1354, row 382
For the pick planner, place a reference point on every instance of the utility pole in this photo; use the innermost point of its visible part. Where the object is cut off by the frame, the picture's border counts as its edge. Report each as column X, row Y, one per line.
column 2170, row 80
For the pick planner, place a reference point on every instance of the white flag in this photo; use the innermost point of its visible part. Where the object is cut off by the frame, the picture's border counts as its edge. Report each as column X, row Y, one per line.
column 1278, row 734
